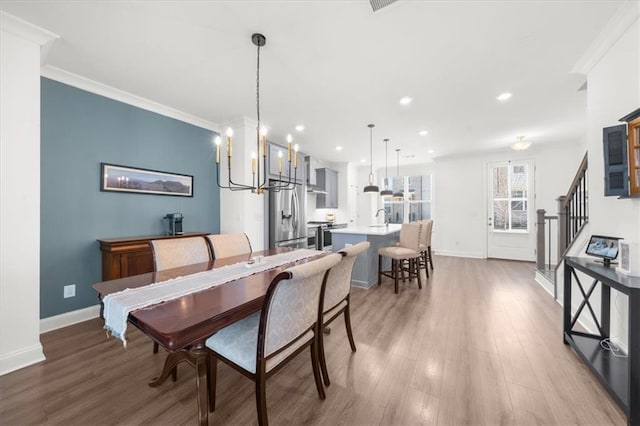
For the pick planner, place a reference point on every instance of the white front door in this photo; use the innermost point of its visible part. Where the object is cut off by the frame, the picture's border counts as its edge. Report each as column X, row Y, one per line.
column 510, row 210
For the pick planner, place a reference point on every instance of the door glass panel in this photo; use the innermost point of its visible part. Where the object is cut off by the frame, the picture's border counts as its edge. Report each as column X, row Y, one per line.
column 519, row 215
column 500, row 182
column 500, row 215
column 519, row 182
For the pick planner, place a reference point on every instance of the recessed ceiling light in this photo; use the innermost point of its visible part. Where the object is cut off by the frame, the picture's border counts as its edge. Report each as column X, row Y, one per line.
column 504, row 96
column 423, row 133
column 364, row 160
column 430, row 151
column 338, row 148
column 299, row 127
column 405, row 100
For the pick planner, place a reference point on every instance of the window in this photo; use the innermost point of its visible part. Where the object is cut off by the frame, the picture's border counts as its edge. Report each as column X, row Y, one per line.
column 416, row 203
column 510, row 198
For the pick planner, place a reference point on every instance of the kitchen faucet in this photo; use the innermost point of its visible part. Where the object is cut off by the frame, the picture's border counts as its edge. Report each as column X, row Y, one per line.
column 386, row 218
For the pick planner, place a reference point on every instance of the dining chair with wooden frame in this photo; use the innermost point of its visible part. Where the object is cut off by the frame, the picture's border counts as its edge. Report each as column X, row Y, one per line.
column 227, row 245
column 260, row 344
column 175, row 252
column 337, row 299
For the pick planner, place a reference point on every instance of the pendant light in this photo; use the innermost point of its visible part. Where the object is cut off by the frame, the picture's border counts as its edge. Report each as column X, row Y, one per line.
column 371, row 187
column 400, row 193
column 386, row 192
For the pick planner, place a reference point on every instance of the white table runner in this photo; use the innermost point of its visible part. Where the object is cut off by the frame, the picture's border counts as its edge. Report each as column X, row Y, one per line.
column 117, row 306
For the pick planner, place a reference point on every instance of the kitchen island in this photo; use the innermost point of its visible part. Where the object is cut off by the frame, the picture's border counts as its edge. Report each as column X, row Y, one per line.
column 365, row 270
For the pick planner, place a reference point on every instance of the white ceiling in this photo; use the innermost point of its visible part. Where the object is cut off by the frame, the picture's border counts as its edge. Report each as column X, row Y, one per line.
column 336, row 66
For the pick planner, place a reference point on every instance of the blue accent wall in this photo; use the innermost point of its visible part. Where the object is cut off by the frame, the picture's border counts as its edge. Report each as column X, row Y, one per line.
column 79, row 130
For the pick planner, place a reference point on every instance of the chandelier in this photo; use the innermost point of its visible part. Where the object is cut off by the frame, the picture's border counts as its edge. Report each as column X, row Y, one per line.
column 259, row 156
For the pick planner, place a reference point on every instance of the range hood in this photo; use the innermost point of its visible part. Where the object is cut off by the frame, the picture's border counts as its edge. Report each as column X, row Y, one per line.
column 312, row 187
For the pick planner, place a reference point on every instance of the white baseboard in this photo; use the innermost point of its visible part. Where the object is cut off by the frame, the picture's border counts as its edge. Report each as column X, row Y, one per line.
column 544, row 283
column 69, row 318
column 19, row 359
column 460, row 254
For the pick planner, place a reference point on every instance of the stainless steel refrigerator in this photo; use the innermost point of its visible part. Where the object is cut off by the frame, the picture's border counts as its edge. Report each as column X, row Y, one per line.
column 287, row 219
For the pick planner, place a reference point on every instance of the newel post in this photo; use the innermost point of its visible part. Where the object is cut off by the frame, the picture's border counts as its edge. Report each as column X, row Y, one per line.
column 562, row 226
column 540, row 244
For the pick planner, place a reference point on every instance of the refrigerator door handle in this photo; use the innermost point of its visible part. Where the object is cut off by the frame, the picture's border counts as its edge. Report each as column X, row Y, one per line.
column 295, row 212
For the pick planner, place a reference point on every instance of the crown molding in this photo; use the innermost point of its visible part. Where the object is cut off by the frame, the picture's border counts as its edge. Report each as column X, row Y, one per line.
column 25, row 30
column 626, row 16
column 101, row 89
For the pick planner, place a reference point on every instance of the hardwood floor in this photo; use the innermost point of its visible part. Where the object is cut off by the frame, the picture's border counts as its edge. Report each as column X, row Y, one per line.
column 480, row 344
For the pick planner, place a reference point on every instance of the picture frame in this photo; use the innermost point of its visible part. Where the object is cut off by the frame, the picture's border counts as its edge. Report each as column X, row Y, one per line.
column 120, row 178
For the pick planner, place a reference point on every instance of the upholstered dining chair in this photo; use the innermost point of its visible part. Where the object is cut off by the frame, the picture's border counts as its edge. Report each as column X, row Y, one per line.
column 260, row 344
column 175, row 252
column 404, row 256
column 336, row 299
column 425, row 246
column 227, row 245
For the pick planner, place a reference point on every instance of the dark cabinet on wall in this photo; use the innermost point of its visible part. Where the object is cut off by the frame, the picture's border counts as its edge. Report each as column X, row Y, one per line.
column 327, row 179
column 621, row 145
column 123, row 257
column 616, row 176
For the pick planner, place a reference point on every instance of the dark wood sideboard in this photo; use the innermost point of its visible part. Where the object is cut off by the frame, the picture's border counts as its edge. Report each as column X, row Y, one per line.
column 123, row 257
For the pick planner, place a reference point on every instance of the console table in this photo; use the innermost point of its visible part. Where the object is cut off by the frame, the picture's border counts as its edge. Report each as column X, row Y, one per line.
column 123, row 257
column 620, row 376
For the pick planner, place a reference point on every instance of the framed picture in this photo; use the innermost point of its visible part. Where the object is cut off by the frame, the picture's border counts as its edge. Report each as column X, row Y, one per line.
column 144, row 181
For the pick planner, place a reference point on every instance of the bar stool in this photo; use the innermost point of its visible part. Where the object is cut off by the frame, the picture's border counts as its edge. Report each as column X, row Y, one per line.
column 425, row 246
column 405, row 257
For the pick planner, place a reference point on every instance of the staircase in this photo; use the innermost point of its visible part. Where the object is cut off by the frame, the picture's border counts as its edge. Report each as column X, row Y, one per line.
column 572, row 216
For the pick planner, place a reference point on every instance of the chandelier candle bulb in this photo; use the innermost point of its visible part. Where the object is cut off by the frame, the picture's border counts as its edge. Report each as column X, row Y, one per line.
column 263, row 136
column 254, row 162
column 289, row 139
column 280, row 161
column 229, row 142
column 295, row 159
column 217, row 141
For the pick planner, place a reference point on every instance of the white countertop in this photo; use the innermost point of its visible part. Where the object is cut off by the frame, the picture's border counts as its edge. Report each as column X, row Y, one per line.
column 369, row 230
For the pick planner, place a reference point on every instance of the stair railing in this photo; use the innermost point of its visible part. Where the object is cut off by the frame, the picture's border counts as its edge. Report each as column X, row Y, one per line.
column 573, row 215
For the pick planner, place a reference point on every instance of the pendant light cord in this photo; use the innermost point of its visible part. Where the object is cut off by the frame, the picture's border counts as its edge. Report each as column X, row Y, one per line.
column 258, row 97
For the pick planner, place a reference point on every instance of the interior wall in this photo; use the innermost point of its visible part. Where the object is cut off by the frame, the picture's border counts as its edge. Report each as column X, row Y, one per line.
column 613, row 92
column 79, row 131
column 19, row 194
column 459, row 191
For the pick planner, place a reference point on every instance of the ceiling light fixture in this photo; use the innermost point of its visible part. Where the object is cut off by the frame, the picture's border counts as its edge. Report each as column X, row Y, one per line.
column 299, row 127
column 338, row 148
column 521, row 144
column 405, row 100
column 386, row 192
column 504, row 96
column 430, row 151
column 371, row 187
column 423, row 133
column 398, row 194
column 258, row 167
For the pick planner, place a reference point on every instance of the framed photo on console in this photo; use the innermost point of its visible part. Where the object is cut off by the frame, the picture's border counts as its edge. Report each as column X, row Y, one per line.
column 603, row 247
column 118, row 178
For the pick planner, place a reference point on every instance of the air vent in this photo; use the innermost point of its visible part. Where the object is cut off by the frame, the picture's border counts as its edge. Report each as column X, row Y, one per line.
column 379, row 4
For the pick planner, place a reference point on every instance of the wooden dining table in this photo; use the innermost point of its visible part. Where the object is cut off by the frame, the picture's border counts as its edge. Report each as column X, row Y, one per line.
column 183, row 325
